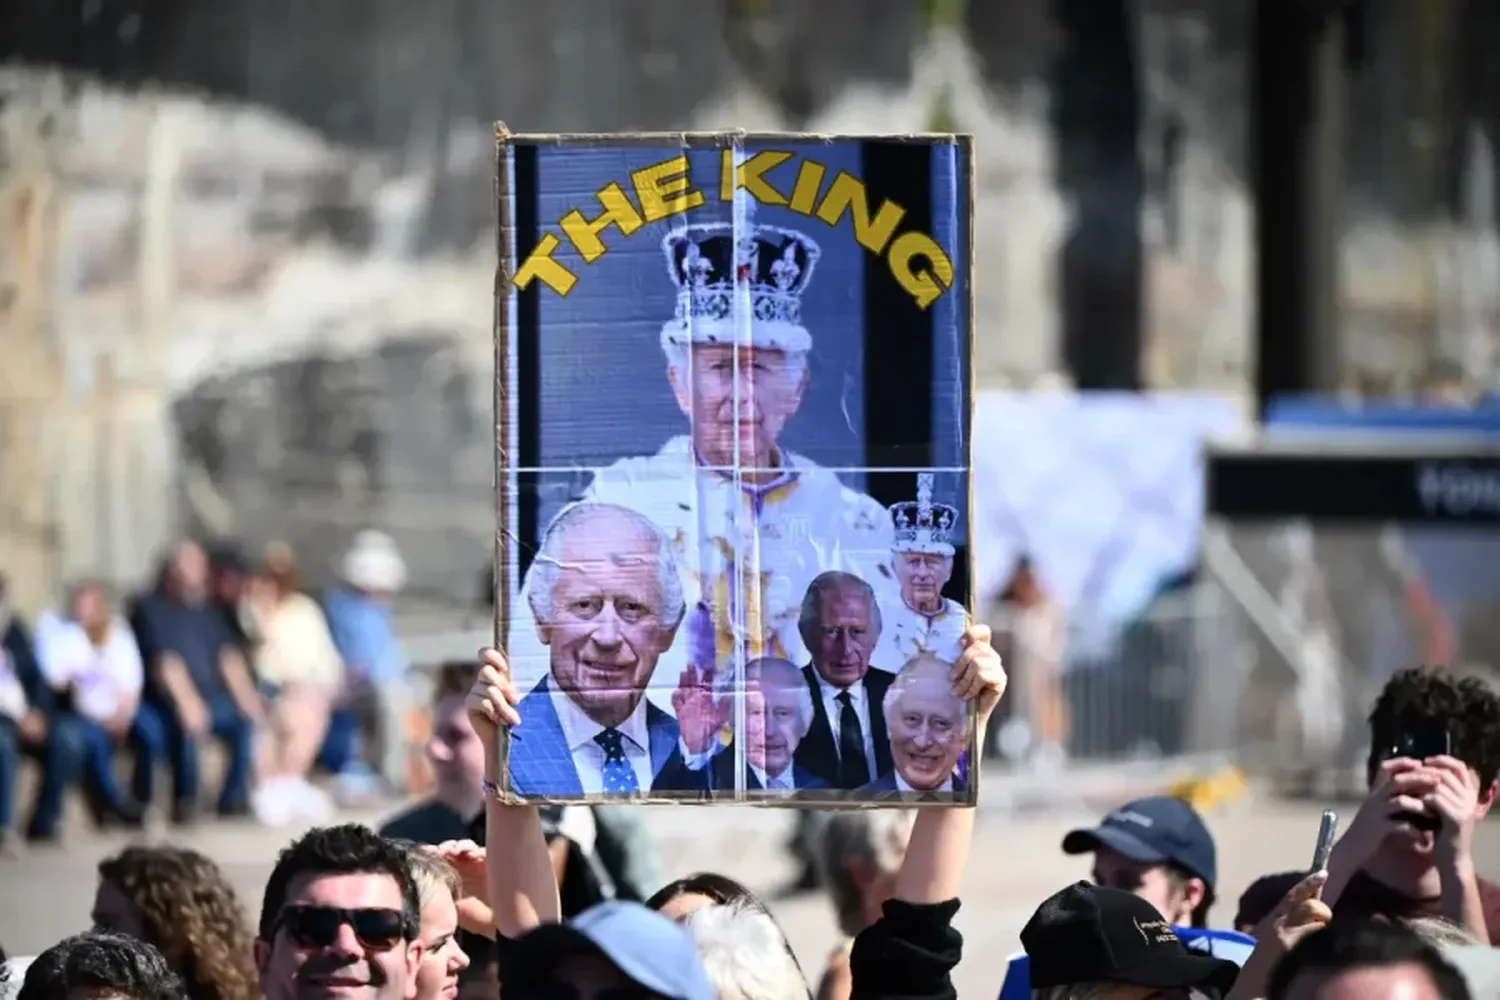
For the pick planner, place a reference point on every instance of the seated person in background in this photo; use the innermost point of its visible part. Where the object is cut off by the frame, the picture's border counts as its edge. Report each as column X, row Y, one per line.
column 377, row 690
column 27, row 726
column 1409, row 850
column 198, row 686
column 1159, row 849
column 1104, row 943
column 100, row 966
column 457, row 759
column 929, row 732
column 90, row 660
column 859, row 856
column 301, row 673
column 1353, row 959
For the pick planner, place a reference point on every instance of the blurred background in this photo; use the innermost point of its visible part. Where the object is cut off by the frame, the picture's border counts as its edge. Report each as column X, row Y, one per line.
column 245, row 293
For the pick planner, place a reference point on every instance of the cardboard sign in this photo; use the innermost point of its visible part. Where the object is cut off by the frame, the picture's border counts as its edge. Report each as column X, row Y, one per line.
column 732, row 466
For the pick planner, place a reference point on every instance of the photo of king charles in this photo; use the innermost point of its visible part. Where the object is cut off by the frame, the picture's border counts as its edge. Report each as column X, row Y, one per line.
column 606, row 601
column 918, row 618
column 750, row 523
column 778, row 715
column 929, row 733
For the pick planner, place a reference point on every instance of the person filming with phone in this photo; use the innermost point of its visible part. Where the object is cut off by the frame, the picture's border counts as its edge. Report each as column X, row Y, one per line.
column 1434, row 759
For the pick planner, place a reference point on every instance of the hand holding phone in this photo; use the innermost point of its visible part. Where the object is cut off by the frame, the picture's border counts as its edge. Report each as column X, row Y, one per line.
column 1327, row 831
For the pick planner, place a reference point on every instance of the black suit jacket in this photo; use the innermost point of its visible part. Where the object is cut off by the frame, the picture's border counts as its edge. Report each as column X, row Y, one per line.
column 818, row 753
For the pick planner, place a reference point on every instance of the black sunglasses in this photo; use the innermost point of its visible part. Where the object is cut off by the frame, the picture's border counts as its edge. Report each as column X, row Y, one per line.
column 377, row 929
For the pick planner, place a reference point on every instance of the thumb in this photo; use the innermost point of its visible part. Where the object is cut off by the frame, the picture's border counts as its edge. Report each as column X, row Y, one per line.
column 1303, row 891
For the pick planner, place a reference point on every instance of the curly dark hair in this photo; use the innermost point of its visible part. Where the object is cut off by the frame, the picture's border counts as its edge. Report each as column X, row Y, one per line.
column 337, row 850
column 192, row 915
column 103, row 962
column 1433, row 696
column 1349, row 943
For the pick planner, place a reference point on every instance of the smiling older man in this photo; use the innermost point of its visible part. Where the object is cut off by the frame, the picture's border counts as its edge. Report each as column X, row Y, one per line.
column 929, row 731
column 607, row 602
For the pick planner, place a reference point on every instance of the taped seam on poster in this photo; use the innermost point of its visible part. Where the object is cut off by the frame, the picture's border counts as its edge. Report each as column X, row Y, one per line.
column 663, row 190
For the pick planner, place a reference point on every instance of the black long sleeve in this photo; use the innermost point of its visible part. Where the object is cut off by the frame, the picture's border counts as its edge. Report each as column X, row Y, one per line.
column 908, row 954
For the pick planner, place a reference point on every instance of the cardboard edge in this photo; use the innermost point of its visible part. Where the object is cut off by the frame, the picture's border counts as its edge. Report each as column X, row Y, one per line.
column 505, row 269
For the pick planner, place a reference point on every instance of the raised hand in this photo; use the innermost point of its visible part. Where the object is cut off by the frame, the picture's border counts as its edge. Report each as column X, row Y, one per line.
column 491, row 702
column 701, row 712
column 979, row 674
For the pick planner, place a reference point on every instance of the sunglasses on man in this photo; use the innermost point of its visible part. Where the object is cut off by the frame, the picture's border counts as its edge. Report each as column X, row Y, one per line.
column 376, row 928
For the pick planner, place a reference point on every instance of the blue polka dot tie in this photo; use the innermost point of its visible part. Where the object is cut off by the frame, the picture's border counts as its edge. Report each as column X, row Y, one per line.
column 619, row 776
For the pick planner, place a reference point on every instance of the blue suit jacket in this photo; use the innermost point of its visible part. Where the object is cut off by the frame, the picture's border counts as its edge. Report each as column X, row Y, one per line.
column 721, row 775
column 541, row 764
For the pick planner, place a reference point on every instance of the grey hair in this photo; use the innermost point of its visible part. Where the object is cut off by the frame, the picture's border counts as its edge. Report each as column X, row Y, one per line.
column 1441, row 933
column 541, row 578
column 832, row 582
column 678, row 358
column 922, row 667
column 433, row 875
column 876, row 838
column 744, row 954
column 1075, row 991
column 799, row 688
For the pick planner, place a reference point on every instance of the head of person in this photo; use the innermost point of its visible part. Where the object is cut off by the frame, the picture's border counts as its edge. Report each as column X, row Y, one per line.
column 340, row 917
column 738, row 384
column 610, row 950
column 185, row 574
column 278, row 571
column 1107, row 944
column 228, row 572
column 778, row 713
column 182, row 904
column 928, row 724
column 438, row 891
column 89, row 606
column 100, row 966
column 680, row 897
column 1364, row 960
column 454, row 749
column 922, row 576
column 373, row 566
column 840, row 624
column 1023, row 587
column 744, row 954
column 1158, row 848
column 859, row 854
column 922, row 556
column 607, row 601
column 1420, row 713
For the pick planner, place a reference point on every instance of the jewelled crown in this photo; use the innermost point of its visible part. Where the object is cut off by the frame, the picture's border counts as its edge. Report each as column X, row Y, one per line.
column 709, row 264
column 924, row 526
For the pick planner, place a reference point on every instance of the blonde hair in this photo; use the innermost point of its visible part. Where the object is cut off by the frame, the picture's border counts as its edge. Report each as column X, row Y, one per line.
column 1441, row 933
column 744, row 954
column 432, row 874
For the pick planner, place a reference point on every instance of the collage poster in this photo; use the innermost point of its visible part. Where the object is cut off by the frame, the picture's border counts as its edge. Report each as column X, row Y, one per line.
column 733, row 402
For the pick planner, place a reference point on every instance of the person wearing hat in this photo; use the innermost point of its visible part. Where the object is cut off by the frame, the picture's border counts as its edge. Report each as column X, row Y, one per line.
column 1159, row 849
column 751, row 522
column 613, row 949
column 1110, row 944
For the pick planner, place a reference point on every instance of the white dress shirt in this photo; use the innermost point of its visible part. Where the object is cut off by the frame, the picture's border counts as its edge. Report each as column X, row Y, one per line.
column 902, row 786
column 588, row 756
column 859, row 698
column 104, row 678
column 781, row 783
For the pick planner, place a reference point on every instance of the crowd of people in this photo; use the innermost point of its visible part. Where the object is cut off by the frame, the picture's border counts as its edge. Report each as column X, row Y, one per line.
column 468, row 895
column 238, row 654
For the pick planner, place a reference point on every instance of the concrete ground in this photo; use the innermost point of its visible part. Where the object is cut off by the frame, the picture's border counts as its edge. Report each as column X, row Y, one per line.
column 1015, row 863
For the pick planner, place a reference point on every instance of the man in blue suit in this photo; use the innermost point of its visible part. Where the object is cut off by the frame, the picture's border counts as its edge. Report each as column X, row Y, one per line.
column 929, row 732
column 778, row 715
column 608, row 601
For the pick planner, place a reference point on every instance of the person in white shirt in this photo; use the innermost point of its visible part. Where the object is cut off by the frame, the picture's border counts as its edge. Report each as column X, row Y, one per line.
column 929, row 731
column 89, row 657
column 918, row 618
column 778, row 715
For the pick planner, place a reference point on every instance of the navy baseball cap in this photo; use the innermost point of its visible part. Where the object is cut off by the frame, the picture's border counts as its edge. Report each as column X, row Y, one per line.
column 652, row 951
column 1159, row 829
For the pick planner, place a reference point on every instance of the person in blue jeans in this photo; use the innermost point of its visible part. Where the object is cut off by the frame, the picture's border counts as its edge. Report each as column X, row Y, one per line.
column 198, row 687
column 28, row 728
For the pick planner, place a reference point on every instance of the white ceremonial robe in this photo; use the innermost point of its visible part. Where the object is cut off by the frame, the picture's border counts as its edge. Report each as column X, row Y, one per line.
column 756, row 545
column 906, row 633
